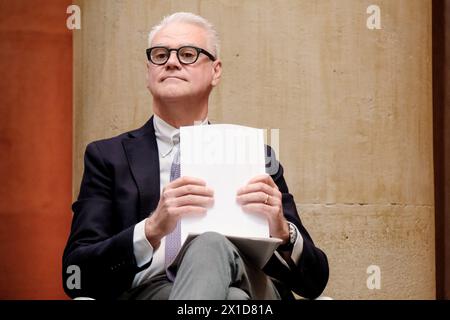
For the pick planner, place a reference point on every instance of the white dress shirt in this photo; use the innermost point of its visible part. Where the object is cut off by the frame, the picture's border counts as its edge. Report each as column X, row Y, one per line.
column 167, row 138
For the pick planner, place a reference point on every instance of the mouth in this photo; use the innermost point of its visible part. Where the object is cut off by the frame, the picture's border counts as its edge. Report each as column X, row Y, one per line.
column 172, row 77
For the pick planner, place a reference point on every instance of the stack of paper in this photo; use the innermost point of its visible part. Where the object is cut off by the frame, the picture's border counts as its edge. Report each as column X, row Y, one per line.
column 227, row 157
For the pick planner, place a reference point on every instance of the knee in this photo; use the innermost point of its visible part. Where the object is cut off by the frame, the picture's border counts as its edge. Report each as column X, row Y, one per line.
column 211, row 241
column 237, row 294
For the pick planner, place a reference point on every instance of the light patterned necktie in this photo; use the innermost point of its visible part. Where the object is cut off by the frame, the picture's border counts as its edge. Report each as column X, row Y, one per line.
column 173, row 239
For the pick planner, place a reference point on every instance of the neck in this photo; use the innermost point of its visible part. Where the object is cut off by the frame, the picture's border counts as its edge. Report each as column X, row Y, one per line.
column 180, row 113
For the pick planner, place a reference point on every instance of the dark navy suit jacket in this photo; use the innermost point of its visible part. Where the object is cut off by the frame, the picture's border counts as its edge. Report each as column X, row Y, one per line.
column 120, row 187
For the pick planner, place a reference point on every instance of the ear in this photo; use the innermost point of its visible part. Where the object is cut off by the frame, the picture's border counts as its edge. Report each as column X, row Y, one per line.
column 217, row 72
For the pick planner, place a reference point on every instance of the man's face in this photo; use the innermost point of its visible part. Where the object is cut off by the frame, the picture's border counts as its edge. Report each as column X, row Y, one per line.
column 175, row 80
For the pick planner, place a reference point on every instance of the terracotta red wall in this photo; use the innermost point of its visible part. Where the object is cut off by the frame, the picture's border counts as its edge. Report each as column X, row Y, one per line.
column 35, row 146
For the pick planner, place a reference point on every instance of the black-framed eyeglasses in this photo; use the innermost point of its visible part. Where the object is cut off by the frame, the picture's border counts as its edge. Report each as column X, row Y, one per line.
column 186, row 54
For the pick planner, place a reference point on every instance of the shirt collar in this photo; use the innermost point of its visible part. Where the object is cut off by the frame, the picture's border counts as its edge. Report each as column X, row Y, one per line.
column 167, row 135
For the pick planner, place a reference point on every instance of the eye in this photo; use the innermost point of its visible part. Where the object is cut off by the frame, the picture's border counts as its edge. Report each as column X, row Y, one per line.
column 161, row 55
column 188, row 53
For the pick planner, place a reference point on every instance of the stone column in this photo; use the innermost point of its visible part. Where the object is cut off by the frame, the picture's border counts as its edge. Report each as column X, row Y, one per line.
column 353, row 107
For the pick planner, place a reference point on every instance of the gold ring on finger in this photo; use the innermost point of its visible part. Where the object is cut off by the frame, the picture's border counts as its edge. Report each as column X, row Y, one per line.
column 267, row 199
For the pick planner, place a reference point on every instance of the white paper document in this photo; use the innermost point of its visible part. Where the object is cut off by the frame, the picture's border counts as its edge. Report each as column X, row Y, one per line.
column 227, row 157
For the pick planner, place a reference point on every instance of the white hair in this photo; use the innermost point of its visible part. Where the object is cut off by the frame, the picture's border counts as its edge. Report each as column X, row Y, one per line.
column 189, row 18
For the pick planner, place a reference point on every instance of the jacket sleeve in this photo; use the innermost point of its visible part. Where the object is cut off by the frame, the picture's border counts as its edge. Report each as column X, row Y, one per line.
column 103, row 254
column 309, row 276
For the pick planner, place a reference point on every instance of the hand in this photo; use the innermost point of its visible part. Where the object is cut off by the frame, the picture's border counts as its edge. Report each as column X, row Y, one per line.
column 261, row 196
column 185, row 196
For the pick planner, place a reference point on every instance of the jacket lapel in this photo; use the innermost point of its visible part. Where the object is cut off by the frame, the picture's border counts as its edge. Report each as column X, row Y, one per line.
column 142, row 153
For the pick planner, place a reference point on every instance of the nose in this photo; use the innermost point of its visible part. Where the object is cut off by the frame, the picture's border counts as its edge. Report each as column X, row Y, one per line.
column 173, row 61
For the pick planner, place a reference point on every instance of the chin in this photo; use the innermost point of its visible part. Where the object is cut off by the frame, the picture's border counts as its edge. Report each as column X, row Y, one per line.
column 172, row 92
column 173, row 95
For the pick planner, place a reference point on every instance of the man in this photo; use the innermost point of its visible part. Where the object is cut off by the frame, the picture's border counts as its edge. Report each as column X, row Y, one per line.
column 131, row 198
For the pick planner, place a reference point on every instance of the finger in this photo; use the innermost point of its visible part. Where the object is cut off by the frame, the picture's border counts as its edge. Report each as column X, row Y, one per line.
column 265, row 178
column 195, row 190
column 185, row 180
column 258, row 197
column 193, row 200
column 256, row 187
column 268, row 212
column 186, row 211
column 257, row 208
column 190, row 189
column 254, row 197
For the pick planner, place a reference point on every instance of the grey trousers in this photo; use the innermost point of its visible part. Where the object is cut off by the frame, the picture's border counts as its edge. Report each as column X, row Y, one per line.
column 209, row 268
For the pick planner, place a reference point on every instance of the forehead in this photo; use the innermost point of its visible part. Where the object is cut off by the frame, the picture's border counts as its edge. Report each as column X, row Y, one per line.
column 176, row 34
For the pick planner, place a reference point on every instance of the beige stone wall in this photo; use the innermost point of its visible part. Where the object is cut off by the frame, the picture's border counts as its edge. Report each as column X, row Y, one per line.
column 353, row 106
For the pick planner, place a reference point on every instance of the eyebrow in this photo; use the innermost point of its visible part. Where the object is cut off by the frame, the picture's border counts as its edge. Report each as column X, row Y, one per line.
column 182, row 45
